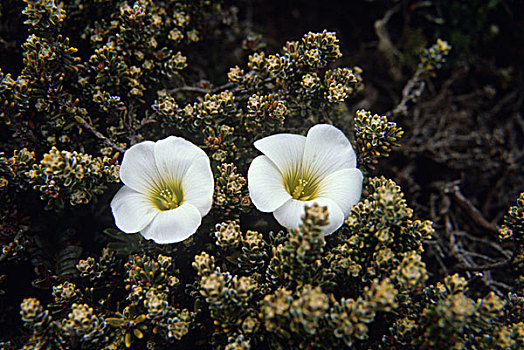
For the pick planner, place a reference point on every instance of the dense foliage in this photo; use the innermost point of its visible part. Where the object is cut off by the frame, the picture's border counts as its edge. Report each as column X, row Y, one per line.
column 437, row 266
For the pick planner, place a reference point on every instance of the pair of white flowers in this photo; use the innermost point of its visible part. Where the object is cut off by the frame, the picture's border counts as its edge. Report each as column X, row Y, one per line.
column 169, row 183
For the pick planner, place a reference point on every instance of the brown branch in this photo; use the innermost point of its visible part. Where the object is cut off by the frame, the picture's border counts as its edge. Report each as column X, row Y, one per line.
column 99, row 135
column 189, row 89
column 471, row 210
column 200, row 90
column 385, row 45
column 412, row 90
column 496, row 265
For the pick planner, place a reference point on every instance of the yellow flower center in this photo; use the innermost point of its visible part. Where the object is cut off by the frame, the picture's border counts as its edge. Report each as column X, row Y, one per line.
column 301, row 186
column 168, row 198
column 299, row 189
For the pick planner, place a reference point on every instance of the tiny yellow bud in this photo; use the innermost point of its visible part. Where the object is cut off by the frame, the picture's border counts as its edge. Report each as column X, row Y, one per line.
column 138, row 333
column 127, row 340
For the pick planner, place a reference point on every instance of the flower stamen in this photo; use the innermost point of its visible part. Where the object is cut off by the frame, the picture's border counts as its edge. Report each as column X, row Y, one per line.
column 299, row 189
column 168, row 199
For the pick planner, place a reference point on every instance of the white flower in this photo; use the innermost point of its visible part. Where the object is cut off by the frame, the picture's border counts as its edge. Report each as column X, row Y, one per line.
column 168, row 188
column 296, row 171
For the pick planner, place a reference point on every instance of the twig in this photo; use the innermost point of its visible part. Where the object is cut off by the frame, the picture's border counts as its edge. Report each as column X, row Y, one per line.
column 444, row 90
column 438, row 253
column 99, row 135
column 476, row 255
column 385, row 45
column 496, row 265
column 189, row 89
column 493, row 284
column 131, row 129
column 488, row 242
column 471, row 210
column 200, row 90
column 412, row 90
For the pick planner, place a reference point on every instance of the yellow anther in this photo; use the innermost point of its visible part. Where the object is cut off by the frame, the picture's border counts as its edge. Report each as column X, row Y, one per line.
column 167, row 199
column 299, row 189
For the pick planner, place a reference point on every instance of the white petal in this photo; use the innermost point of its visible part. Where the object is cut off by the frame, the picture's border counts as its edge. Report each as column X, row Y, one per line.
column 174, row 156
column 138, row 169
column 132, row 210
column 266, row 186
column 174, row 225
column 285, row 150
column 327, row 150
column 290, row 214
column 198, row 185
column 344, row 187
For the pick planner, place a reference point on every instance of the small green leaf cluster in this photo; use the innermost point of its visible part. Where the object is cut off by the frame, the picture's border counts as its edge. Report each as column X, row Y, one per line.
column 83, row 314
column 133, row 49
column 513, row 228
column 375, row 136
column 41, row 94
column 84, row 324
column 433, row 57
column 228, row 234
column 248, row 251
column 214, row 108
column 71, row 178
column 230, row 191
column 230, row 299
column 79, row 325
column 216, row 120
column 298, row 260
column 265, row 108
column 151, row 283
column 297, row 290
column 301, row 76
column 65, row 293
column 12, row 169
column 447, row 317
column 289, row 90
column 283, row 285
column 381, row 239
column 13, row 181
column 93, row 269
column 43, row 14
